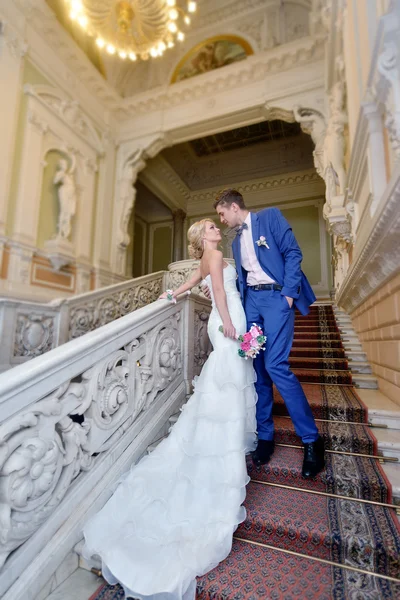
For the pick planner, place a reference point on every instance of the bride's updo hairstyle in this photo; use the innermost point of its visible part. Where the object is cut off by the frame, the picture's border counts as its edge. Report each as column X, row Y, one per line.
column 195, row 238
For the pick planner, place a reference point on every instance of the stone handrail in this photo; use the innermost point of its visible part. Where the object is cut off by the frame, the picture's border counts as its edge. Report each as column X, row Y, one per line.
column 30, row 329
column 73, row 420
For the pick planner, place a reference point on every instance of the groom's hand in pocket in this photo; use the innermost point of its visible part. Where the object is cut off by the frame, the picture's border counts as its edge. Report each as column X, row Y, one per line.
column 289, row 301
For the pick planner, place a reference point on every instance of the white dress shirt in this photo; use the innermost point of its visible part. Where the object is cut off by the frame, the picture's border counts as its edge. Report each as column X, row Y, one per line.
column 255, row 273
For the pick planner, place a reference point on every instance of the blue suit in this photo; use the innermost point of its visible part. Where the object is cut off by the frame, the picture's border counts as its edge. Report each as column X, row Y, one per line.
column 281, row 260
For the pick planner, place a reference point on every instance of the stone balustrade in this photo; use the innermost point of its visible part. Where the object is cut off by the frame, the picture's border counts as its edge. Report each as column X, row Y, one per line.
column 74, row 419
column 30, row 329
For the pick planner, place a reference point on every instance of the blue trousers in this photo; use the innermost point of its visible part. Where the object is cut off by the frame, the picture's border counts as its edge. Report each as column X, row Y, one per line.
column 270, row 310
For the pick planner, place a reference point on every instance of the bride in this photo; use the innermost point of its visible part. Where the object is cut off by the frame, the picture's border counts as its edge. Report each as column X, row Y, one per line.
column 173, row 516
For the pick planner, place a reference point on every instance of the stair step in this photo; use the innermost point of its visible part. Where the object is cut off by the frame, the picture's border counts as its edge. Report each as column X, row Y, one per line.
column 358, row 366
column 365, row 381
column 354, row 355
column 255, row 573
column 316, row 525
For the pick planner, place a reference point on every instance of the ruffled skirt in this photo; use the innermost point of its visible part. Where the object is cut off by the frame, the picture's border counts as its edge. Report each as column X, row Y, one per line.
column 173, row 516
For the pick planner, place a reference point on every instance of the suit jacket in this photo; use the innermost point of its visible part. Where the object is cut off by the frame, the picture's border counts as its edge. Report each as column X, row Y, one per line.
column 281, row 261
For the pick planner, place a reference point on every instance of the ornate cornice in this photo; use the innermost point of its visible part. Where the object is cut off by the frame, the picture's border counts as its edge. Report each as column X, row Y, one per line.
column 261, row 185
column 67, row 111
column 379, row 258
column 253, row 69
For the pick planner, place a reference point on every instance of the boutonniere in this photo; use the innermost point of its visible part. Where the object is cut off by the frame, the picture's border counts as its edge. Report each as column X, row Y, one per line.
column 262, row 242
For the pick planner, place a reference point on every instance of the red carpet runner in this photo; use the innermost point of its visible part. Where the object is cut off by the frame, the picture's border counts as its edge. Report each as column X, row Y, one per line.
column 333, row 525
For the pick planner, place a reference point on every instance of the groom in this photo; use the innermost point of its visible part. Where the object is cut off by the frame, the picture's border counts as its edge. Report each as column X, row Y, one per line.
column 271, row 285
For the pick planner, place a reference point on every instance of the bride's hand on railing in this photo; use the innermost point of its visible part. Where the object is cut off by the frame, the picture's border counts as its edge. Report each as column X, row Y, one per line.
column 168, row 295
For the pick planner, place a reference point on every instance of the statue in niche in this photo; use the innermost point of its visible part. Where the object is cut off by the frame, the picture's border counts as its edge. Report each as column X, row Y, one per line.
column 67, row 198
column 334, row 138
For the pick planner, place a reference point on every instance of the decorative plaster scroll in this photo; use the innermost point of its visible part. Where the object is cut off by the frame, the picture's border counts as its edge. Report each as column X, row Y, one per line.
column 46, row 446
column 251, row 70
column 34, row 335
column 68, row 111
column 202, row 344
column 88, row 315
column 388, row 66
column 380, row 257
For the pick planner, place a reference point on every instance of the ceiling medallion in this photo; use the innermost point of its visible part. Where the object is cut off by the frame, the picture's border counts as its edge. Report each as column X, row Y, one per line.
column 132, row 28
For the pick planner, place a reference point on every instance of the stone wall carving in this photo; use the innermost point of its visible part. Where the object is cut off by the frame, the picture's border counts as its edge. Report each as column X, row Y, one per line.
column 43, row 450
column 34, row 335
column 180, row 272
column 388, row 66
column 202, row 345
column 245, row 73
column 68, row 111
column 55, row 439
column 89, row 315
column 379, row 258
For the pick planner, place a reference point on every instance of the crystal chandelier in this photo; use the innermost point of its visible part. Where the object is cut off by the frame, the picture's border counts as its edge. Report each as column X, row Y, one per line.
column 132, row 28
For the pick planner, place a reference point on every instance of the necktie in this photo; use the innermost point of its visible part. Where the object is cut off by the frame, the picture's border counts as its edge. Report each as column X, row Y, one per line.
column 241, row 227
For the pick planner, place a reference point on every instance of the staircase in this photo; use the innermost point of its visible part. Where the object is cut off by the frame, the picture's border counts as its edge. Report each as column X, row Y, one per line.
column 334, row 537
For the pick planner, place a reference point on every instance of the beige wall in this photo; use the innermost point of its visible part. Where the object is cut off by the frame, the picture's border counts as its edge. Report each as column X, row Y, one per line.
column 377, row 322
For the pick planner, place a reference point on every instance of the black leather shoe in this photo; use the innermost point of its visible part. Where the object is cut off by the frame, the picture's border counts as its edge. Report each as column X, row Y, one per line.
column 314, row 458
column 263, row 452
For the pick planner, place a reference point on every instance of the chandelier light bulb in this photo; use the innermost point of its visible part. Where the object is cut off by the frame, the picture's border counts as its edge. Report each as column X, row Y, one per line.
column 118, row 37
column 83, row 21
column 76, row 5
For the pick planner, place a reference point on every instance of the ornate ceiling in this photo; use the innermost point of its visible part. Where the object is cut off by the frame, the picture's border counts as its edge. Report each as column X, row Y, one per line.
column 253, row 26
column 246, row 153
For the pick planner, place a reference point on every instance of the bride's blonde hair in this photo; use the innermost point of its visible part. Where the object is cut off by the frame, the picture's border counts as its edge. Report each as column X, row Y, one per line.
column 195, row 238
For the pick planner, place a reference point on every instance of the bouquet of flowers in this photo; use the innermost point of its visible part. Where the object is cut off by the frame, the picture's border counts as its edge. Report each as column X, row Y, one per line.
column 251, row 342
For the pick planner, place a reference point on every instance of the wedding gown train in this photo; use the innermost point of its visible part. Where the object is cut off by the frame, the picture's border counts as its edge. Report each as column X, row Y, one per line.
column 173, row 516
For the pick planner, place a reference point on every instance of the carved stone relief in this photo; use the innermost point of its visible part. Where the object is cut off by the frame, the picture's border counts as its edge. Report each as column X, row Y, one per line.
column 202, row 347
column 34, row 335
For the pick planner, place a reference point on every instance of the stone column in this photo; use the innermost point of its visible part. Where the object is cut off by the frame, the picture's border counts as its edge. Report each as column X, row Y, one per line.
column 179, row 219
column 12, row 51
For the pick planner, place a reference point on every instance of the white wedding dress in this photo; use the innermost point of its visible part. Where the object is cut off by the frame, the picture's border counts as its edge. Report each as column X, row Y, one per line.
column 173, row 516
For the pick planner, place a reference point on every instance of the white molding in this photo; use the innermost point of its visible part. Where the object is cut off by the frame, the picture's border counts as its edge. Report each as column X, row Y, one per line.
column 377, row 253
column 165, row 183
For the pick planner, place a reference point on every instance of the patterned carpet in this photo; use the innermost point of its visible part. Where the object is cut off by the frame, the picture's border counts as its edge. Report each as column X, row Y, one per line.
column 341, row 530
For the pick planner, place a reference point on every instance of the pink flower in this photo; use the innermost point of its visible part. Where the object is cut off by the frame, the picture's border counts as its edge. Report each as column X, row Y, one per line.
column 255, row 331
column 262, row 238
column 248, row 337
column 245, row 346
column 254, row 343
